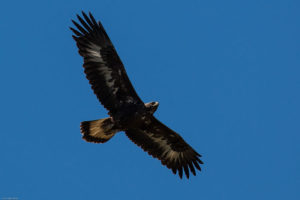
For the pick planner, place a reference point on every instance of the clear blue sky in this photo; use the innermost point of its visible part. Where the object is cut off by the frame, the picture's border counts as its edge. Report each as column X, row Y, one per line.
column 226, row 74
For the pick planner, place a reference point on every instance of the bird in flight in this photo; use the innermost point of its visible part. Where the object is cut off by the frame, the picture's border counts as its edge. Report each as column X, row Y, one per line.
column 127, row 112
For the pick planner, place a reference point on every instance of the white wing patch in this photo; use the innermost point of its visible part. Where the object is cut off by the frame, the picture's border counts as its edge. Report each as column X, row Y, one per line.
column 94, row 52
column 94, row 55
column 168, row 152
column 130, row 100
column 110, row 82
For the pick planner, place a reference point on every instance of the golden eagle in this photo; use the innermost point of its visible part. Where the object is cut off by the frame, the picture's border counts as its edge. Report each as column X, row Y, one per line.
column 128, row 113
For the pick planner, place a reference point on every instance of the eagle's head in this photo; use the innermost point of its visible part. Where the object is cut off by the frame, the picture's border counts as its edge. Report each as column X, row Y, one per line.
column 151, row 106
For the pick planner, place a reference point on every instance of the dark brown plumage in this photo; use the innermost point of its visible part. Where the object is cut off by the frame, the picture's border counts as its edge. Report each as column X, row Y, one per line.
column 128, row 113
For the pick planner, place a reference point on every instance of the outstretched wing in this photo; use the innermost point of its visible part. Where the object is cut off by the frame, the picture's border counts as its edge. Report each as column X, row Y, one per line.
column 102, row 65
column 163, row 143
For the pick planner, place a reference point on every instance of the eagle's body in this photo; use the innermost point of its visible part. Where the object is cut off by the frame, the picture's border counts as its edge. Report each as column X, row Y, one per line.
column 134, row 116
column 128, row 113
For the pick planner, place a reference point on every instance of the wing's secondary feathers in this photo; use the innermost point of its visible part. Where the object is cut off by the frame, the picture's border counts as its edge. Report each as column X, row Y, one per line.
column 102, row 65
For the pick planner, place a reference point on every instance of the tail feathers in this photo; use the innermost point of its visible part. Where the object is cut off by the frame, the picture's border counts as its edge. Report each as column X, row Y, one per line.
column 98, row 131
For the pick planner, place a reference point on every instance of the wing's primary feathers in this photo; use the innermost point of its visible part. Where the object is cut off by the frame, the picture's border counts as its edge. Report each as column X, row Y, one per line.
column 166, row 145
column 102, row 65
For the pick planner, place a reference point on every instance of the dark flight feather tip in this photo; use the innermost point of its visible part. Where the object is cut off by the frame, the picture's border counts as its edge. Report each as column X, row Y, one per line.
column 85, row 25
column 186, row 171
column 180, row 172
column 76, row 32
column 82, row 30
column 88, row 20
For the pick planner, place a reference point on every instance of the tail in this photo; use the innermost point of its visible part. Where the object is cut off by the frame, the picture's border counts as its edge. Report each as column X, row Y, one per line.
column 98, row 131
